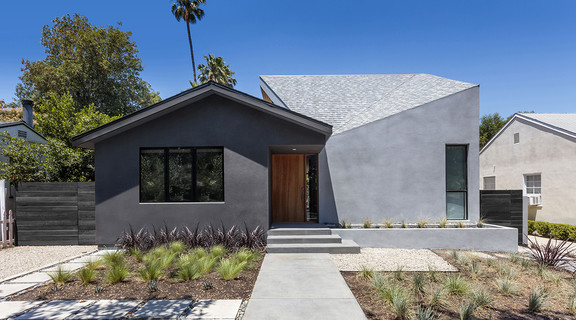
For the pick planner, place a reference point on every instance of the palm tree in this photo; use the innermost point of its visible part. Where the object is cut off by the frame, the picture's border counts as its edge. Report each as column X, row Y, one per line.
column 190, row 12
column 217, row 71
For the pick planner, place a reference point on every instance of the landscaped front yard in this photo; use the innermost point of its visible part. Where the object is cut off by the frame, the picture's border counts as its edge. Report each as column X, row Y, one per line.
column 485, row 287
column 171, row 271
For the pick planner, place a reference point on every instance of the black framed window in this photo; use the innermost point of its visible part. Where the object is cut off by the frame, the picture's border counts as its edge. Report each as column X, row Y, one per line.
column 457, row 182
column 182, row 174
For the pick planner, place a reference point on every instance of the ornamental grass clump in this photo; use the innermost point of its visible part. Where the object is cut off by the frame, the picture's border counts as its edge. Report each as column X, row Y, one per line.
column 422, row 223
column 151, row 271
column 399, row 273
column 456, row 285
column 437, row 298
column 418, row 282
column 537, row 299
column 87, row 275
column 367, row 224
column 112, row 259
column 189, row 271
column 245, row 254
column 207, row 263
column 218, row 251
column 177, row 247
column 551, row 253
column 425, row 313
column 442, row 223
column 401, row 303
column 366, row 272
column 117, row 273
column 388, row 223
column 60, row 276
column 379, row 282
column 198, row 253
column 230, row 269
column 94, row 264
column 466, row 310
column 481, row 297
column 505, row 286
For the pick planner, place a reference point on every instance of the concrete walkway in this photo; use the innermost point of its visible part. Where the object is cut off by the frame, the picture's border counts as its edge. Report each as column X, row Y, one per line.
column 301, row 286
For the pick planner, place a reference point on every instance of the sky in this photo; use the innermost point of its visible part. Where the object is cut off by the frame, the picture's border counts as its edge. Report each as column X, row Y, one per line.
column 522, row 53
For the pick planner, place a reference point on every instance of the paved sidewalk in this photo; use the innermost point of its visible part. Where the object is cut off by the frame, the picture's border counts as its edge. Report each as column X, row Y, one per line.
column 301, row 286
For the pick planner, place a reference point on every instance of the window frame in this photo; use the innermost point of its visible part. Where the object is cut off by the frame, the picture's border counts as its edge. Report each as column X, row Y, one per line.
column 484, row 182
column 167, row 174
column 447, row 191
column 532, row 187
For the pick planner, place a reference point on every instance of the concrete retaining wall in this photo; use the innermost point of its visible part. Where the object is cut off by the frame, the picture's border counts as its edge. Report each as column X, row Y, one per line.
column 489, row 238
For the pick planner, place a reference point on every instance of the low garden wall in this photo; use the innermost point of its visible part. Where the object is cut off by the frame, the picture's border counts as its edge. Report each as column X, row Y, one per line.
column 488, row 238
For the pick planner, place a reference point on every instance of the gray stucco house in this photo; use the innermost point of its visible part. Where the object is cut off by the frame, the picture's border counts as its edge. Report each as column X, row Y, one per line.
column 314, row 149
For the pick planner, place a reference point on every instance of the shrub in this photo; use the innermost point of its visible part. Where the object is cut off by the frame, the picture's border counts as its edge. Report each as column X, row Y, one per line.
column 229, row 269
column 550, row 254
column 117, row 273
column 87, row 275
column 456, row 285
column 537, row 299
column 554, row 230
column 60, row 276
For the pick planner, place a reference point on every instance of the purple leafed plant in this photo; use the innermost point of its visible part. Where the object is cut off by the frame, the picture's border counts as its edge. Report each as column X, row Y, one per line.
column 551, row 253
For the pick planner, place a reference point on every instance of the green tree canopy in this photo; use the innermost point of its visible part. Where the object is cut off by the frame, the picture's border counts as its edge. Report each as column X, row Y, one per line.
column 216, row 70
column 490, row 124
column 95, row 65
column 58, row 121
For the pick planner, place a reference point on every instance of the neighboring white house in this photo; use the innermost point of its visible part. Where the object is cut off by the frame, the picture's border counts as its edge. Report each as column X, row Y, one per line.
column 535, row 152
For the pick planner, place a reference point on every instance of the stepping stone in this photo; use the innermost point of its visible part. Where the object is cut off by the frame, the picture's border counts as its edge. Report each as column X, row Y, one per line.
column 215, row 309
column 36, row 277
column 107, row 309
column 7, row 289
column 59, row 309
column 64, row 266
column 86, row 259
column 10, row 309
column 162, row 309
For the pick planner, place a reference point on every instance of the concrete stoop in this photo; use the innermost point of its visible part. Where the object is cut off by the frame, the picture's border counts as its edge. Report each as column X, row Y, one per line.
column 308, row 240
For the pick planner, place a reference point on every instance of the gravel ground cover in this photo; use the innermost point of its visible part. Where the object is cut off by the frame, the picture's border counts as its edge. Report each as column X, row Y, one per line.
column 22, row 259
column 381, row 259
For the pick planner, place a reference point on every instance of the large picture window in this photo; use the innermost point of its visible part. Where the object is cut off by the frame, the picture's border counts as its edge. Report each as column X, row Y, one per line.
column 181, row 174
column 456, row 182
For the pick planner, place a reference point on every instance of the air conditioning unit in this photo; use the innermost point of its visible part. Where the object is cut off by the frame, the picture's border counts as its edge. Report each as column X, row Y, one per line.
column 535, row 200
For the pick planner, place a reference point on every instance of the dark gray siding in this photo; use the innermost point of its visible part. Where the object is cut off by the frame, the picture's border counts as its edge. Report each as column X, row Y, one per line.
column 246, row 135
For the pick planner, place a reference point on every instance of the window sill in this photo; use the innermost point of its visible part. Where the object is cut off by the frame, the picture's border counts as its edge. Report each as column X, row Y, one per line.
column 183, row 202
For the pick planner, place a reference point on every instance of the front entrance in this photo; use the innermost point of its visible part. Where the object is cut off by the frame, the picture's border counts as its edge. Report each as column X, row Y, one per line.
column 294, row 188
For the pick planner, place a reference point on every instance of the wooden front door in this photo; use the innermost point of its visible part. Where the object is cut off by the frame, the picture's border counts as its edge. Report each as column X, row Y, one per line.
column 288, row 188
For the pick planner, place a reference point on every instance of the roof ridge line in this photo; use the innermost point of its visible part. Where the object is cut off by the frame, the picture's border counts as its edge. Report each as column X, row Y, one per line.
column 353, row 116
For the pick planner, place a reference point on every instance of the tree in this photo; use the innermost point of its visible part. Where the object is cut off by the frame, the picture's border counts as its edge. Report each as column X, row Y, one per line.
column 216, row 70
column 95, row 65
column 58, row 121
column 190, row 12
column 490, row 124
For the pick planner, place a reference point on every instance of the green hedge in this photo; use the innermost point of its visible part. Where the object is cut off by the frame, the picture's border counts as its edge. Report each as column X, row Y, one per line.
column 556, row 230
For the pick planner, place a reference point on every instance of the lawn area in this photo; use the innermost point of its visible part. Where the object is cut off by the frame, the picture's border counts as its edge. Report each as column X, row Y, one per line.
column 164, row 272
column 487, row 288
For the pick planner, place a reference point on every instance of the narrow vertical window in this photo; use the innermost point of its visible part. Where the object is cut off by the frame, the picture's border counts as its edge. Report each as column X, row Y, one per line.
column 152, row 182
column 209, row 175
column 456, row 182
column 516, row 138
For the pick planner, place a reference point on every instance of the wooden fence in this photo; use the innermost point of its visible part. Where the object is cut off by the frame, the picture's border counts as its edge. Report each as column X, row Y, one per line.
column 55, row 213
column 7, row 233
column 503, row 208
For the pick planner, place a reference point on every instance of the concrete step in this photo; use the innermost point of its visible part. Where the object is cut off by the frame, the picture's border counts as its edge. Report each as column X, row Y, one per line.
column 299, row 231
column 332, row 238
column 347, row 246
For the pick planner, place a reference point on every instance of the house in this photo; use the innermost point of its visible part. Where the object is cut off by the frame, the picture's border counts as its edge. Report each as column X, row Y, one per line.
column 535, row 152
column 315, row 149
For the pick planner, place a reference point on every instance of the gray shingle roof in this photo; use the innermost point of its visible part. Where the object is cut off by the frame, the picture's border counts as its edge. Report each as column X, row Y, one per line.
column 565, row 121
column 350, row 101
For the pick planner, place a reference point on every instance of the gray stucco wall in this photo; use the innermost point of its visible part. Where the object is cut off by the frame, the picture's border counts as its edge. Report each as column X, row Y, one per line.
column 394, row 168
column 246, row 135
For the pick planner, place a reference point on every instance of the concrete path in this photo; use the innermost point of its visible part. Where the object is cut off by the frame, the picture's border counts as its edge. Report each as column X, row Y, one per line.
column 120, row 309
column 301, row 286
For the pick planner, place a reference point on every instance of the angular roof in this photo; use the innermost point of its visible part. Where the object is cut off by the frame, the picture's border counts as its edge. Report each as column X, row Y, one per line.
column 183, row 99
column 350, row 101
column 564, row 123
column 5, row 124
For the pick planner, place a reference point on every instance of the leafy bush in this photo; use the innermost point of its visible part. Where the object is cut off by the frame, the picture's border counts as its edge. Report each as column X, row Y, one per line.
column 554, row 230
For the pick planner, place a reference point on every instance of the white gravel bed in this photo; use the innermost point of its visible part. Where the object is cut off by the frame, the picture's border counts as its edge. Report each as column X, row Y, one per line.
column 22, row 259
column 381, row 259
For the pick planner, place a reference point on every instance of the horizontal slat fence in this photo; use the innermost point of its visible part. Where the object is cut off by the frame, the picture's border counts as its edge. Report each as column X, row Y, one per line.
column 55, row 213
column 503, row 208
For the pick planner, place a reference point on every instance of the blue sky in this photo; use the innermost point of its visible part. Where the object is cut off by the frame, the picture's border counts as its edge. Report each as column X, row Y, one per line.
column 521, row 52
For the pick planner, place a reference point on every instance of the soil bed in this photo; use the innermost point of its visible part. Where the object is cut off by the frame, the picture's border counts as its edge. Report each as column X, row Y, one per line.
column 133, row 288
column 558, row 284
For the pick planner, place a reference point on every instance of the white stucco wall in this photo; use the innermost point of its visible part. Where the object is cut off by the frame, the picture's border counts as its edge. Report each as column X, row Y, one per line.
column 30, row 134
column 540, row 150
column 394, row 168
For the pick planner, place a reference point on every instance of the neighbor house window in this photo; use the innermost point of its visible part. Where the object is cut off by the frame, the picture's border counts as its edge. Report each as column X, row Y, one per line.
column 516, row 138
column 533, row 184
column 456, row 182
column 489, row 183
column 181, row 174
